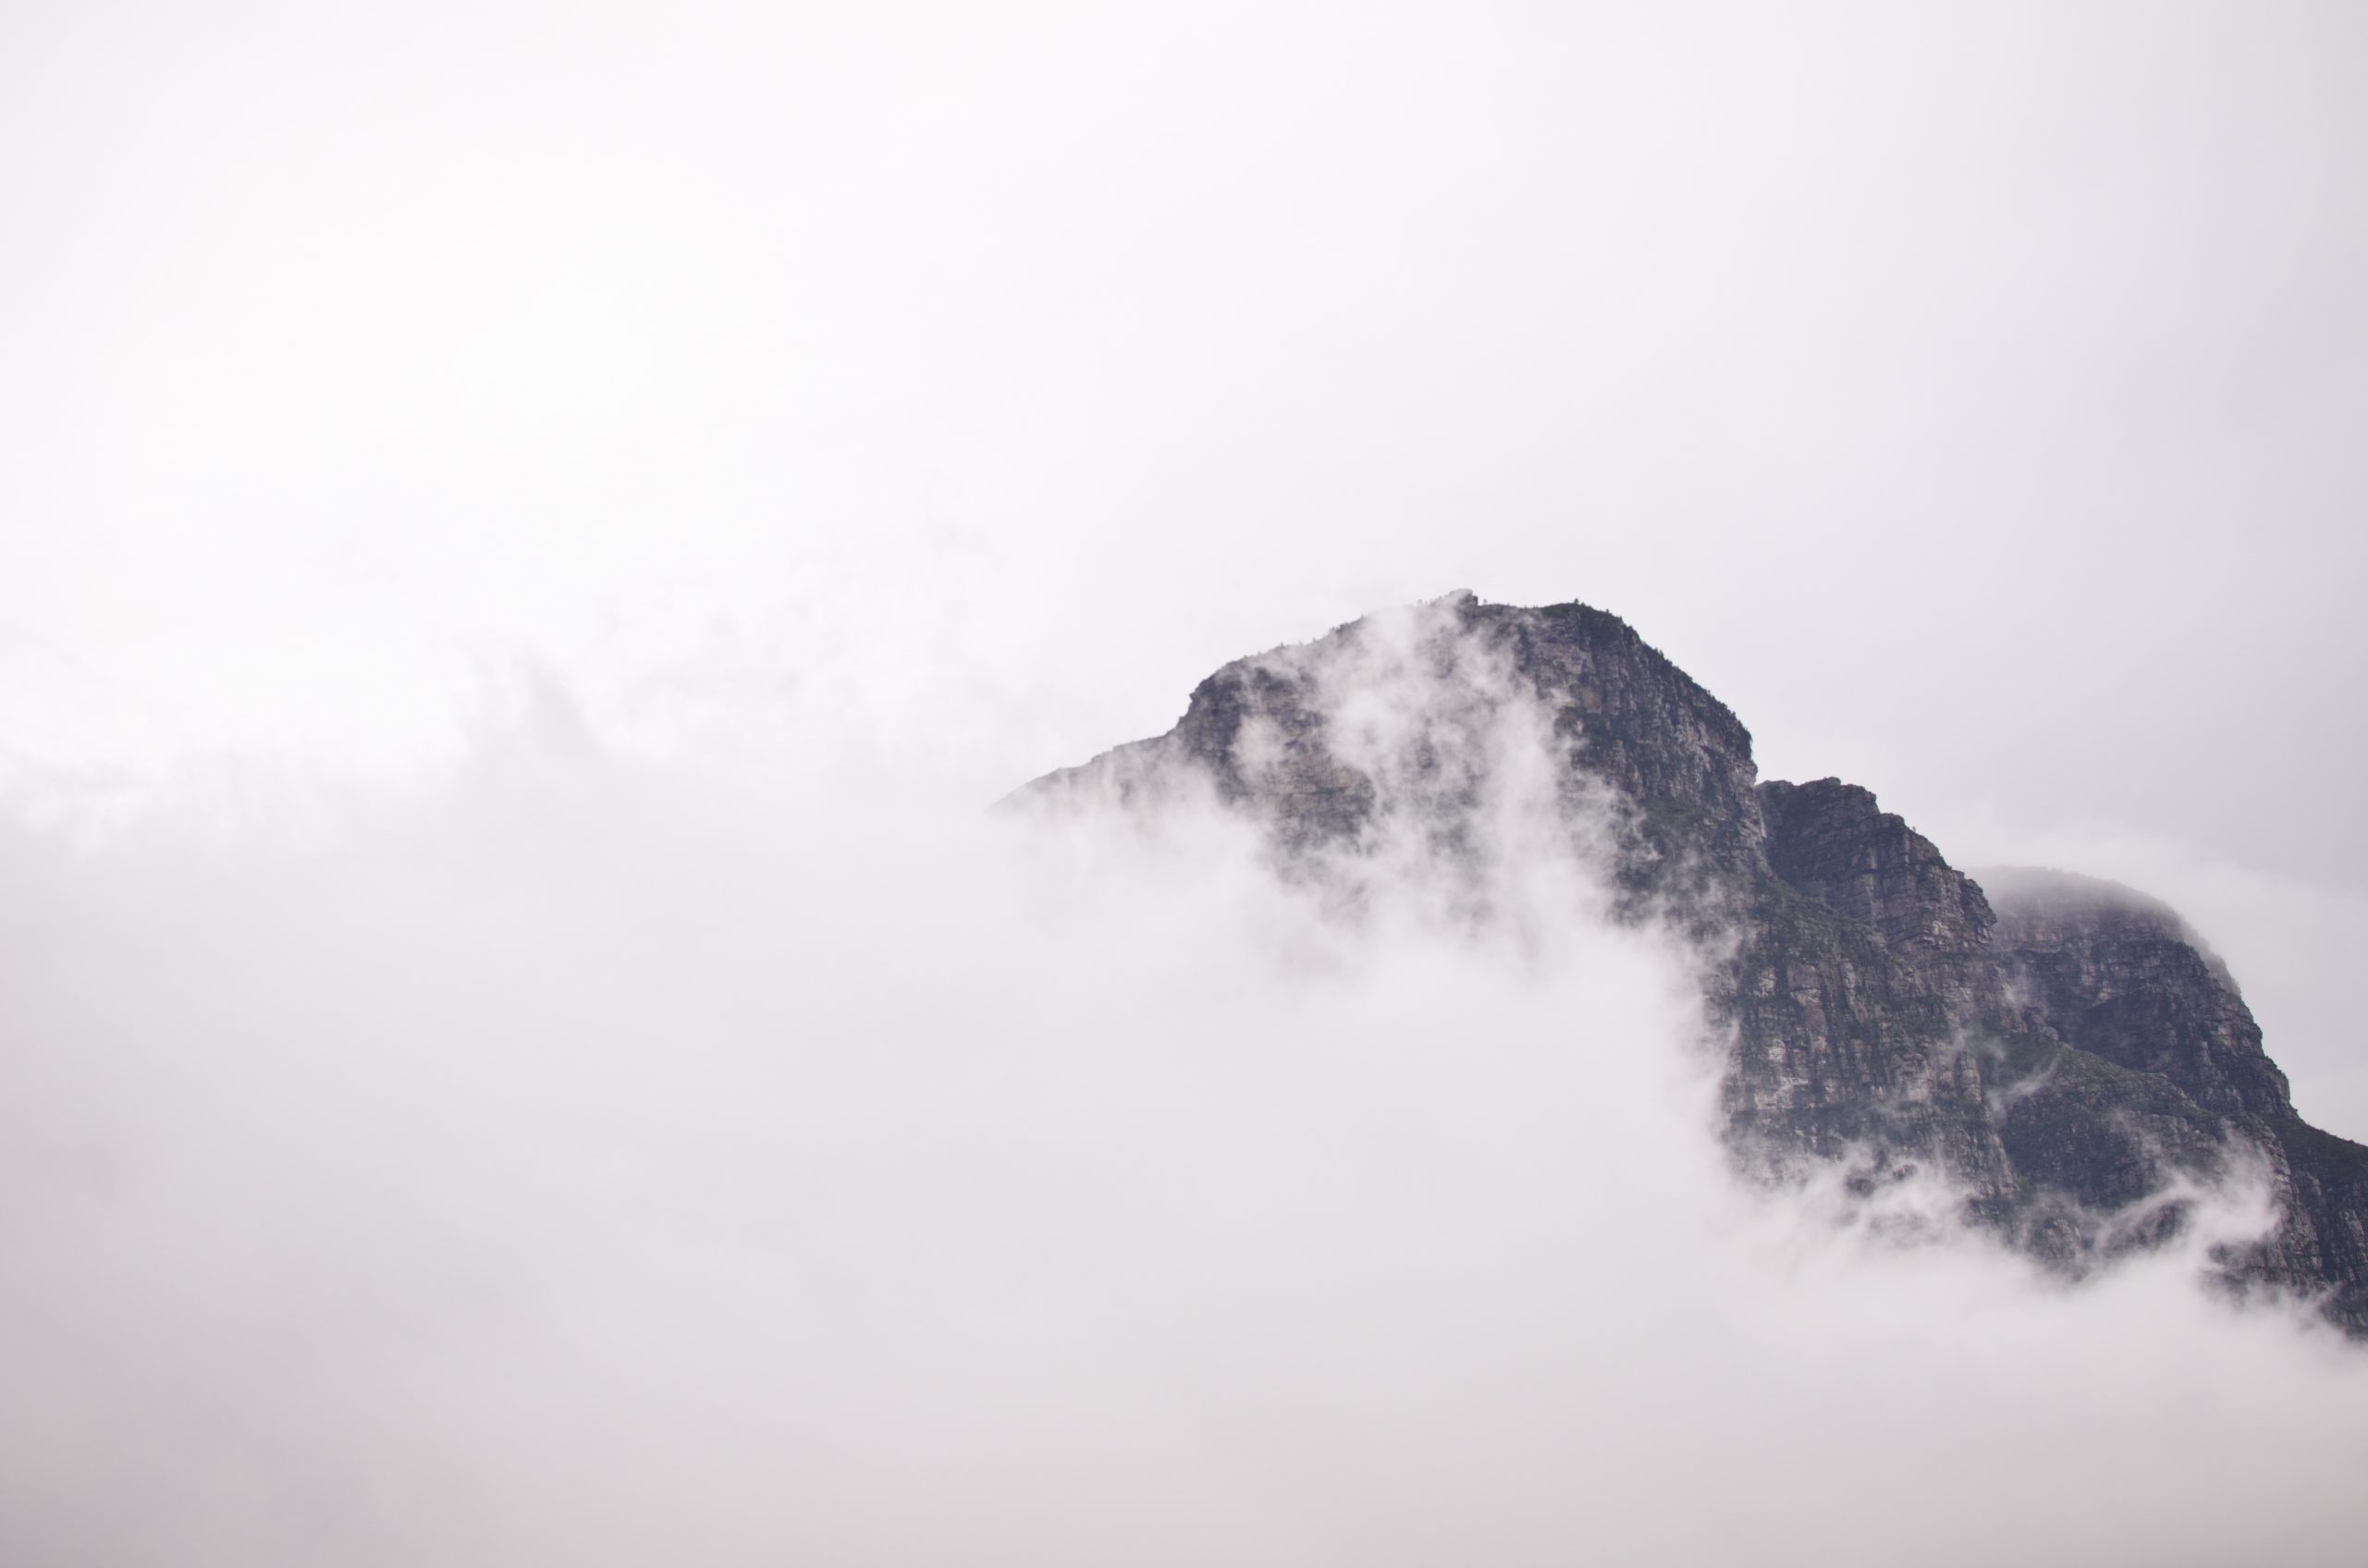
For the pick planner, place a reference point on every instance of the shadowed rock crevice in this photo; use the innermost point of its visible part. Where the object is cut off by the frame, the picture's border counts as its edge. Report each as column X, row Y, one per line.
column 2065, row 1053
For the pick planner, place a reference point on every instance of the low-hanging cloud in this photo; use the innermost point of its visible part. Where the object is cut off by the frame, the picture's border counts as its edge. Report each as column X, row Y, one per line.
column 585, row 1163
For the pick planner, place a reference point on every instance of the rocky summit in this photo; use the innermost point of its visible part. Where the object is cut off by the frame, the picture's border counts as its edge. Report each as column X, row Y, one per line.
column 2064, row 1052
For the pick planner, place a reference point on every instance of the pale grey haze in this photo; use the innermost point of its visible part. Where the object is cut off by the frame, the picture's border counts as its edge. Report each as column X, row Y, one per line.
column 584, row 1163
column 527, row 532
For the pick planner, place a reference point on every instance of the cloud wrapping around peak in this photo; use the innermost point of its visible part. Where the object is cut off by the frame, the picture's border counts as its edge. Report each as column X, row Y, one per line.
column 587, row 1164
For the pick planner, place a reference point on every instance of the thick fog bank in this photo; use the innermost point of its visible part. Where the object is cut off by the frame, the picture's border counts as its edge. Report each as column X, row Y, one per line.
column 590, row 1166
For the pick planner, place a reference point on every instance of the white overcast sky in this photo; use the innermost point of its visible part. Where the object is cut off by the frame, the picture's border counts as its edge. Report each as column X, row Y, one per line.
column 1972, row 396
column 842, row 413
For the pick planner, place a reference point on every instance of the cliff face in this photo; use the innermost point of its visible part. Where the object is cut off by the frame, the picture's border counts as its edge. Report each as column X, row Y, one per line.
column 2064, row 1050
column 2129, row 997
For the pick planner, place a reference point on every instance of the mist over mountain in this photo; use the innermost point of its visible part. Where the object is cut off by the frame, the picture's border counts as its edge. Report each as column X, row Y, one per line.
column 1433, row 1104
column 532, row 534
column 2058, row 1058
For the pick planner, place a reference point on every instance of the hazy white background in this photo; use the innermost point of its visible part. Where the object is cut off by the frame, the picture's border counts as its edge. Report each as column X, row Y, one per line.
column 901, row 400
column 1968, row 395
column 1972, row 396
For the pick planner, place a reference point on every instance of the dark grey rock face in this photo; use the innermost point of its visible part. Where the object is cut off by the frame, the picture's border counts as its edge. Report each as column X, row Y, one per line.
column 2121, row 976
column 1829, row 841
column 2063, row 1052
column 2121, row 982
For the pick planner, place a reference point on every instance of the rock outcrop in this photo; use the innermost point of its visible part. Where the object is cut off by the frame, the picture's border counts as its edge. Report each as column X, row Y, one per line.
column 2063, row 1052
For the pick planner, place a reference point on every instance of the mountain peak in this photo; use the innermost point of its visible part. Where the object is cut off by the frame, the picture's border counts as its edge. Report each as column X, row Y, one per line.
column 2061, row 1050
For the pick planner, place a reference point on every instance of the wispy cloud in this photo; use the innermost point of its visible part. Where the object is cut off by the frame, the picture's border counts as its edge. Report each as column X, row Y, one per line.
column 589, row 1162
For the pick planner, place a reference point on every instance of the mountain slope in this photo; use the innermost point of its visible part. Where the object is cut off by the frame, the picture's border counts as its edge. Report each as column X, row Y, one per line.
column 2062, row 1051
